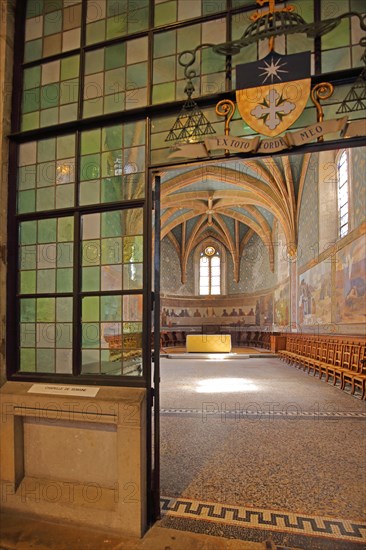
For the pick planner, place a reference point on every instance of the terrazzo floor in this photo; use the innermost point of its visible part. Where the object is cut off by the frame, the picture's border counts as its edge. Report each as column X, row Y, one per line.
column 259, row 435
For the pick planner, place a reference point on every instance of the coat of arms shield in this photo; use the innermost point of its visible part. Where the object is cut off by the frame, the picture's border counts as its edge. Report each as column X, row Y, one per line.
column 273, row 92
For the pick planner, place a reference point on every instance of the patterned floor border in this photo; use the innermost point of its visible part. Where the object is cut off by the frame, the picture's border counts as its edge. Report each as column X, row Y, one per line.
column 266, row 520
column 286, row 414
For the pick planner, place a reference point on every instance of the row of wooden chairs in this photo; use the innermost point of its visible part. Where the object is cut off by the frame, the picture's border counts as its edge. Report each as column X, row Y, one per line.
column 254, row 338
column 342, row 360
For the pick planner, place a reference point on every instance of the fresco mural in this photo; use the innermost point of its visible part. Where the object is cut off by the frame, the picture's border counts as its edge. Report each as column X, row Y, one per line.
column 282, row 305
column 315, row 295
column 350, row 283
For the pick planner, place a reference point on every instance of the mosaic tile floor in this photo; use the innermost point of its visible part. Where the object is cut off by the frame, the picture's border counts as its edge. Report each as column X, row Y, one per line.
column 259, row 448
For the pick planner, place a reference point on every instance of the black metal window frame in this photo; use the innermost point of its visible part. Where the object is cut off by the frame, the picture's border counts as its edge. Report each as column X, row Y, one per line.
column 17, row 137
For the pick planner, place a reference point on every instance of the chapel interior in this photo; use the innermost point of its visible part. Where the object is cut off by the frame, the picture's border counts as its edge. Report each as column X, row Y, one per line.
column 182, row 327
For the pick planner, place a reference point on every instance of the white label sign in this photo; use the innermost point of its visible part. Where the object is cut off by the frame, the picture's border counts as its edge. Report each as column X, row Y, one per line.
column 58, row 389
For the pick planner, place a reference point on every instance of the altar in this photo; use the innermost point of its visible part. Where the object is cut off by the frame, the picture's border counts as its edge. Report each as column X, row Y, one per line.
column 208, row 343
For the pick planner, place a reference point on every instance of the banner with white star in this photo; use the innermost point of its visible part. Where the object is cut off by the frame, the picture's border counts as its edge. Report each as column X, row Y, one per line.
column 273, row 92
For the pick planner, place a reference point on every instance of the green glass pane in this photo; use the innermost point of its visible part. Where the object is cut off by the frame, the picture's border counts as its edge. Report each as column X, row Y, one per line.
column 30, row 121
column 209, row 7
column 335, row 60
column 132, row 249
column 93, row 107
column 91, row 279
column 34, row 8
column 69, row 92
column 90, row 192
column 165, row 13
column 27, row 360
column 339, row 37
column 112, row 251
column 53, row 5
column 27, row 335
column 26, row 201
column 137, row 75
column 46, row 280
column 46, row 310
column 47, row 231
column 212, row 62
column 45, row 199
column 64, row 280
column 94, row 62
column 95, row 32
column 27, row 310
column 165, row 44
column 64, row 335
column 31, row 100
column 112, row 189
column 65, row 196
column 33, row 50
column 134, row 160
column 45, row 360
column 65, row 229
column 90, row 142
column 112, row 138
column 162, row 93
column 115, row 56
column 65, row 146
column 46, row 150
column 27, row 177
column 50, row 95
column 64, row 309
column 65, row 253
column 132, row 276
column 49, row 117
column 112, row 224
column 27, row 282
column 46, row 174
column 90, row 167
column 116, row 26
column 131, row 327
column 91, row 253
column 90, row 361
column 139, row 20
column 28, row 256
column 134, row 134
column 52, row 23
column 28, row 232
column 111, row 163
column 90, row 309
column 70, row 67
column 164, row 70
column 114, row 103
column 114, row 81
column 111, row 309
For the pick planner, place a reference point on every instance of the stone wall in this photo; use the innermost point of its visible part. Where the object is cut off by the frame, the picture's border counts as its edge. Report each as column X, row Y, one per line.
column 6, row 68
column 331, row 293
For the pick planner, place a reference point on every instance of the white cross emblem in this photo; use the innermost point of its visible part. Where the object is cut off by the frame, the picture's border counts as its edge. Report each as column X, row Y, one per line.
column 272, row 110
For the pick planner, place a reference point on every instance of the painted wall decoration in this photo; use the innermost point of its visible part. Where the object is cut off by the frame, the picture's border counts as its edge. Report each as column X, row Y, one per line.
column 315, row 294
column 282, row 305
column 350, row 283
column 309, row 214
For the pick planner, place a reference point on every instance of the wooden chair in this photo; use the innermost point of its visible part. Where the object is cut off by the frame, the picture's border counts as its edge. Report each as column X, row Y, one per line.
column 356, row 375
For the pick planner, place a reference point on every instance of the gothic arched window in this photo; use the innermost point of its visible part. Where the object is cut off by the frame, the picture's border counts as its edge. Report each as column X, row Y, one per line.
column 210, row 271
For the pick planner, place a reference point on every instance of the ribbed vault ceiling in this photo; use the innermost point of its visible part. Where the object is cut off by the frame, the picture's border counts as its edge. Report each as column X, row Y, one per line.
column 231, row 201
